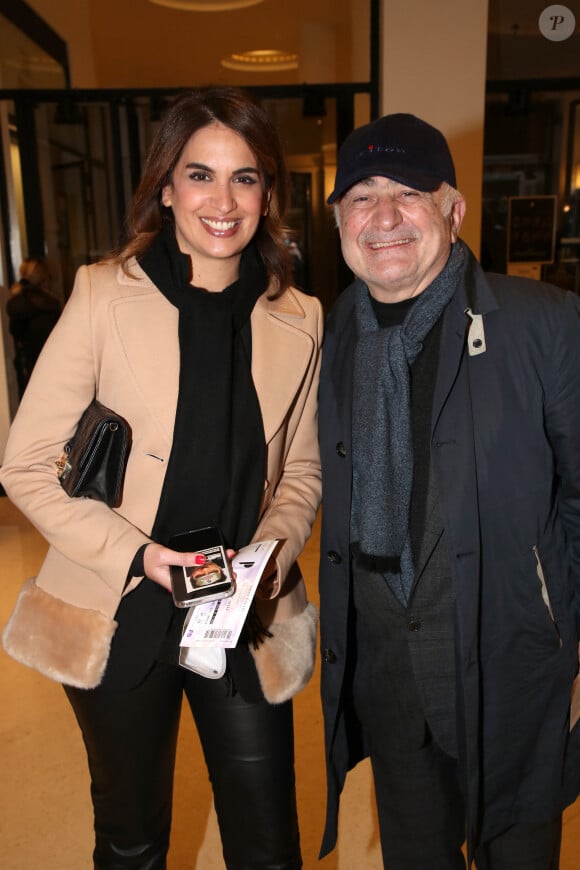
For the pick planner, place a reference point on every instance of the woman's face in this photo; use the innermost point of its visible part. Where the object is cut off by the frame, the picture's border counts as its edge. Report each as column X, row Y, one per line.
column 217, row 197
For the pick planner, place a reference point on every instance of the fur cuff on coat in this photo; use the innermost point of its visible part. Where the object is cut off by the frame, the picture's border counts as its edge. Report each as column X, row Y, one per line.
column 69, row 644
column 285, row 661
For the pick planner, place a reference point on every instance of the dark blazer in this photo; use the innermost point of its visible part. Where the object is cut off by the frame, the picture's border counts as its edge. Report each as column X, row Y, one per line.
column 505, row 453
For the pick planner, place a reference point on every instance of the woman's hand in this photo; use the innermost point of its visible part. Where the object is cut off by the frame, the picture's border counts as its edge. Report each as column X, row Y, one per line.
column 157, row 561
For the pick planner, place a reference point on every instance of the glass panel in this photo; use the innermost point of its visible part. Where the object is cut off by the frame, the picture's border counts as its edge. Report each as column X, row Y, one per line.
column 532, row 133
column 74, row 153
column 308, row 129
column 570, row 238
column 23, row 64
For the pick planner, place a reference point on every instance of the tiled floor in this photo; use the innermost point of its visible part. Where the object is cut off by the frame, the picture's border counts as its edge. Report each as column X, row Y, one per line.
column 45, row 816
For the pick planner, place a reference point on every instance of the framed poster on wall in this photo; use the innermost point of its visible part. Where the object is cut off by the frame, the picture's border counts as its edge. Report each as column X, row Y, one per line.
column 531, row 229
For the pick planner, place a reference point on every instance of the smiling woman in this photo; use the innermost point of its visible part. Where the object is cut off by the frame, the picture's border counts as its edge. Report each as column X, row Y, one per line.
column 217, row 196
column 193, row 333
column 212, row 160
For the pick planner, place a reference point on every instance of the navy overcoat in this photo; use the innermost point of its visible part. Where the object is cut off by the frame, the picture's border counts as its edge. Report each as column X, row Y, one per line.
column 505, row 451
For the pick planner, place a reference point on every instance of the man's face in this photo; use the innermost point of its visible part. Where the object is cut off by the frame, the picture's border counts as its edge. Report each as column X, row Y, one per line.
column 397, row 239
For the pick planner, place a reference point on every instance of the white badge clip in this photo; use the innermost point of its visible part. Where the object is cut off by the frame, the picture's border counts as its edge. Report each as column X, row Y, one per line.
column 476, row 334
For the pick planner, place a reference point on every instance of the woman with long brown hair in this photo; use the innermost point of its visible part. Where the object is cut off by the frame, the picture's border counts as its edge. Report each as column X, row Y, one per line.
column 192, row 333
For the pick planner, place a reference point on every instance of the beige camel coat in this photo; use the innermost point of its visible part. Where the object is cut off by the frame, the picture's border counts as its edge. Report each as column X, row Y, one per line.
column 117, row 336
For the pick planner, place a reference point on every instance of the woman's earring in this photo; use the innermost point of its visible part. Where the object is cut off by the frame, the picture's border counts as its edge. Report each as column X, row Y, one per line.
column 166, row 197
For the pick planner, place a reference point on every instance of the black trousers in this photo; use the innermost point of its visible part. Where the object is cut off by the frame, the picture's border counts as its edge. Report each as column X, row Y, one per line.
column 130, row 738
column 419, row 799
column 422, row 821
column 523, row 847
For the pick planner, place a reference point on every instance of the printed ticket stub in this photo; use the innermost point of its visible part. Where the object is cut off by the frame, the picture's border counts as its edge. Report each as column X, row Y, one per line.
column 219, row 623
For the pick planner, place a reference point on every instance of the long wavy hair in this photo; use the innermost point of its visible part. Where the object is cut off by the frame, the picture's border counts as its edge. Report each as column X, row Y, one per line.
column 190, row 112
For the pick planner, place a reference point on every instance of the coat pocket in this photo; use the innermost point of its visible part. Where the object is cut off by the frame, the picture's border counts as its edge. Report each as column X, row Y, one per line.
column 545, row 593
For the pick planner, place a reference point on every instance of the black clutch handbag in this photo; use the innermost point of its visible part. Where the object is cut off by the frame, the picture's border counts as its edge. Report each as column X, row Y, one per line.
column 94, row 460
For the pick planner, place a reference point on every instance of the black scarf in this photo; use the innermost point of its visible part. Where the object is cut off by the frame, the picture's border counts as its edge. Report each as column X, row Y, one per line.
column 215, row 473
column 381, row 428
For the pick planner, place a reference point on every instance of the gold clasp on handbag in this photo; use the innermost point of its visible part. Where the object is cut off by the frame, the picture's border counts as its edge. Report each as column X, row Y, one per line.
column 63, row 466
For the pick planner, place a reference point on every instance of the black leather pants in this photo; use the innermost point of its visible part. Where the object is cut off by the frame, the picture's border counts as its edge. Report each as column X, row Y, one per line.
column 131, row 737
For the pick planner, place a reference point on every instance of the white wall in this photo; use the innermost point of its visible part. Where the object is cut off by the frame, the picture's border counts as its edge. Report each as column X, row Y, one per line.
column 434, row 66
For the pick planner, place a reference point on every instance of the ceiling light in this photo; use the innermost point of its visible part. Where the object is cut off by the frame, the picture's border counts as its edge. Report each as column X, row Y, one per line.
column 261, row 60
column 206, row 5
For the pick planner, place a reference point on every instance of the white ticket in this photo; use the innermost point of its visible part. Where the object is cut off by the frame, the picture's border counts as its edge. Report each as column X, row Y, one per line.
column 219, row 623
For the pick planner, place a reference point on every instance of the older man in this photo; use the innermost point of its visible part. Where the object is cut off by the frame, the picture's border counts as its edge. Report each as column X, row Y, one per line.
column 450, row 566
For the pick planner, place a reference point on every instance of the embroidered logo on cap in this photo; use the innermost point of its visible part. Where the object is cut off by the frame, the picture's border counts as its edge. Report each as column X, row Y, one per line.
column 382, row 149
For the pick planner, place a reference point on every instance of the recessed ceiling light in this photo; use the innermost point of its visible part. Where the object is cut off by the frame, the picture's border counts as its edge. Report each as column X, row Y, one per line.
column 261, row 60
column 206, row 5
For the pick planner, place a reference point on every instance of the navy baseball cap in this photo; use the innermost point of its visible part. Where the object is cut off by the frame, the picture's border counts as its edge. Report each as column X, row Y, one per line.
column 401, row 147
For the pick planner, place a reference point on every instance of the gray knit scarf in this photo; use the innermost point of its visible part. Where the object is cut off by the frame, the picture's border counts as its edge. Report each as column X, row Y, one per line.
column 382, row 440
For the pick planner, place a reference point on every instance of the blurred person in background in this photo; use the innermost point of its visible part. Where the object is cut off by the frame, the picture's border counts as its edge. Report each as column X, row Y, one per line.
column 32, row 310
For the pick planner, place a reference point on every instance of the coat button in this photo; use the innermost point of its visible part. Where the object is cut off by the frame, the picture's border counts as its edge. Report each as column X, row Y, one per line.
column 333, row 557
column 414, row 625
column 328, row 656
column 341, row 449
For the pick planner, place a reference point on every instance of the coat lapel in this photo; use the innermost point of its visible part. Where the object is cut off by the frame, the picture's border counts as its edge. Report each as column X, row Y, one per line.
column 433, row 528
column 473, row 293
column 342, row 372
column 145, row 324
column 454, row 437
column 281, row 352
